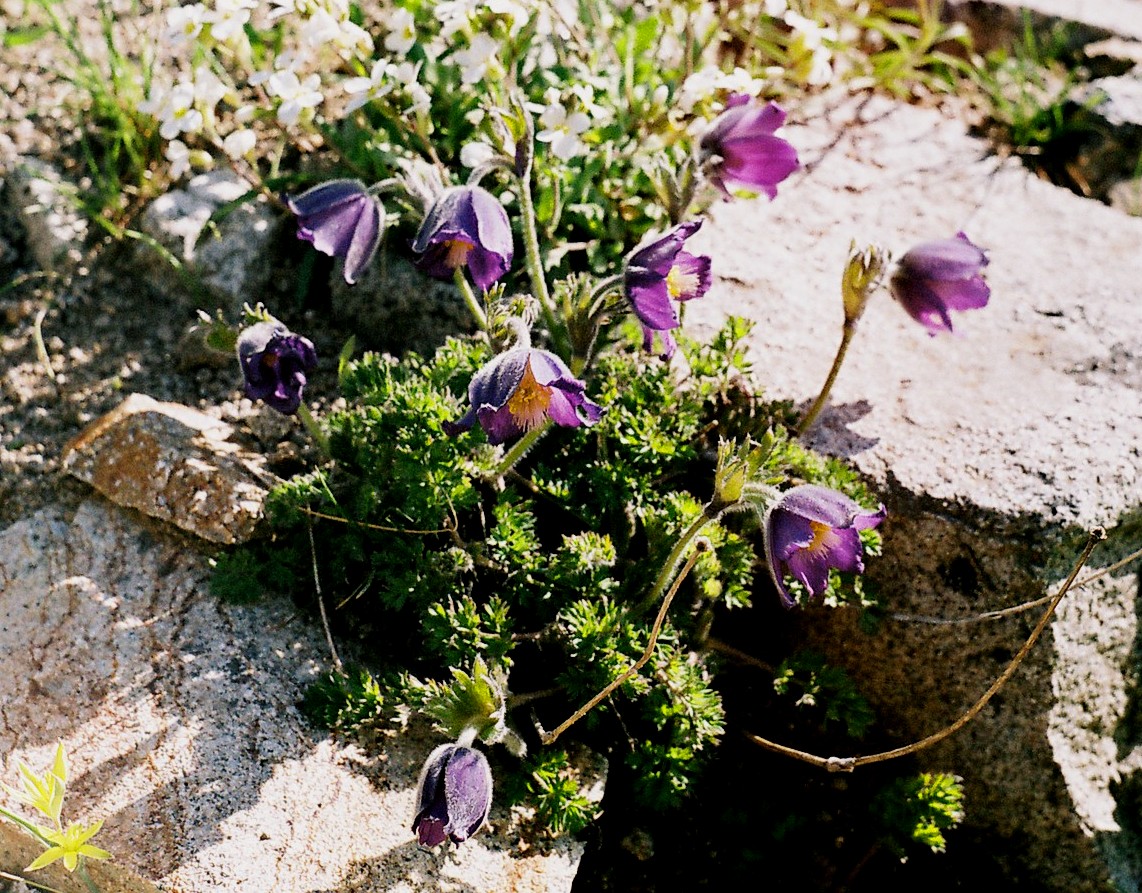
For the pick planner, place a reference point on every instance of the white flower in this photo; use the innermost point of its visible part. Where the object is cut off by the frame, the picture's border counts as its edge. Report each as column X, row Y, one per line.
column 240, row 143
column 812, row 58
column 562, row 131
column 402, row 32
column 209, row 89
column 178, row 114
column 184, row 23
column 320, row 28
column 406, row 74
column 454, row 14
column 702, row 84
column 365, row 90
column 179, row 156
column 295, row 94
column 286, row 61
column 474, row 154
column 476, row 59
column 228, row 17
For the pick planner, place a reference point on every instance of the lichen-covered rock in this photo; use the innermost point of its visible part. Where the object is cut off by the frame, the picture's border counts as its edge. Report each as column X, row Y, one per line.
column 173, row 463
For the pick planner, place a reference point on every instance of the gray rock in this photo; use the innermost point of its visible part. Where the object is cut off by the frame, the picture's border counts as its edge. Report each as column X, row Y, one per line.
column 47, row 208
column 994, row 450
column 179, row 715
column 1075, row 23
column 394, row 307
column 231, row 256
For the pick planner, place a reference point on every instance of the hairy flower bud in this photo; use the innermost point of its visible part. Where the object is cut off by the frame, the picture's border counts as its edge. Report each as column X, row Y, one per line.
column 454, row 795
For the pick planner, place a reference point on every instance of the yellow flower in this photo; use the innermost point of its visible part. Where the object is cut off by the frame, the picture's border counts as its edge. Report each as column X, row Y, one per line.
column 69, row 845
column 44, row 793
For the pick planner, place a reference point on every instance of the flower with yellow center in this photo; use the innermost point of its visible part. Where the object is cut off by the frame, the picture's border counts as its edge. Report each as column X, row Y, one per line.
column 660, row 272
column 810, row 531
column 528, row 405
column 521, row 390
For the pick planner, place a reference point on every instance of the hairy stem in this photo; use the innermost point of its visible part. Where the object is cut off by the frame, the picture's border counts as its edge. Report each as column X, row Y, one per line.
column 822, row 398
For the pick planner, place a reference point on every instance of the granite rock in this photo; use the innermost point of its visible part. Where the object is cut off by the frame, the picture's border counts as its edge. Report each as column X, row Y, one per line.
column 995, row 449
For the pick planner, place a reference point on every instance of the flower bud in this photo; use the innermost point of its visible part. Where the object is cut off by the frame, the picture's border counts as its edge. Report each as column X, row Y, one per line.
column 861, row 275
column 454, row 795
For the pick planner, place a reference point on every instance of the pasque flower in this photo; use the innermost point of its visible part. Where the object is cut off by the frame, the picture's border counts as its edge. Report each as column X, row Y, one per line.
column 453, row 796
column 341, row 219
column 274, row 363
column 465, row 227
column 740, row 147
column 657, row 274
column 811, row 529
column 520, row 390
column 935, row 277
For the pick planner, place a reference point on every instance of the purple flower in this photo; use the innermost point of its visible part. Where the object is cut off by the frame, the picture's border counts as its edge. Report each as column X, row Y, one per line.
column 939, row 276
column 521, row 389
column 739, row 147
column 341, row 219
column 810, row 530
column 658, row 273
column 466, row 226
column 453, row 796
column 274, row 362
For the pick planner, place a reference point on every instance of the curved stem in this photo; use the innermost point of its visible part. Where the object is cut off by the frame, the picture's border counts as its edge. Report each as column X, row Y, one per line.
column 520, row 449
column 848, row 764
column 822, row 398
column 469, row 297
column 671, row 564
column 549, row 737
column 531, row 251
column 314, row 430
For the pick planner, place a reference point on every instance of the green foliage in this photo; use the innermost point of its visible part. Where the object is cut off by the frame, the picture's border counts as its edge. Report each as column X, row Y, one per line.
column 553, row 788
column 1030, row 96
column 542, row 583
column 352, row 701
column 918, row 810
column 825, row 692
column 243, row 576
column 117, row 144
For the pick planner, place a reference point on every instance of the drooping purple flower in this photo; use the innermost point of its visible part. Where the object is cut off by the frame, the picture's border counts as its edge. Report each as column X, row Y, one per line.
column 453, row 796
column 521, row 389
column 274, row 364
column 811, row 529
column 341, row 219
column 466, row 226
column 659, row 272
column 740, row 147
column 939, row 276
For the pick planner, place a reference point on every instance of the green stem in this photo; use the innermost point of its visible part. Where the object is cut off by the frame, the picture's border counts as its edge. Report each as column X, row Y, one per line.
column 521, row 449
column 86, row 878
column 314, row 430
column 469, row 297
column 822, row 398
column 26, row 825
column 671, row 564
column 531, row 251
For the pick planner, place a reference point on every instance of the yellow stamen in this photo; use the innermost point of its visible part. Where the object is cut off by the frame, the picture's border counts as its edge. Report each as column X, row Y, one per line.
column 457, row 252
column 679, row 283
column 822, row 537
column 528, row 405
